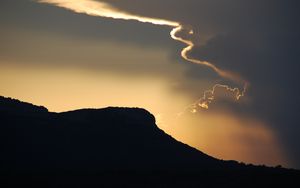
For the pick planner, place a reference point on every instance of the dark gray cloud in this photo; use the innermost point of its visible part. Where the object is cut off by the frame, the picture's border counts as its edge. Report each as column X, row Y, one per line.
column 264, row 50
column 31, row 32
column 30, row 15
column 258, row 39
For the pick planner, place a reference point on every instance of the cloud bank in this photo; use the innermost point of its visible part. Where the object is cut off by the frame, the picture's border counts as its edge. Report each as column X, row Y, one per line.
column 256, row 39
column 102, row 9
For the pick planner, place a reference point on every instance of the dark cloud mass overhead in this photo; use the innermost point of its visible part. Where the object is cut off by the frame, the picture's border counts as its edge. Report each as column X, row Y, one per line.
column 257, row 39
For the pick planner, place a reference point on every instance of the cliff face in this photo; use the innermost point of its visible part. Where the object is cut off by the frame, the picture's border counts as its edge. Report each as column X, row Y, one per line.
column 109, row 147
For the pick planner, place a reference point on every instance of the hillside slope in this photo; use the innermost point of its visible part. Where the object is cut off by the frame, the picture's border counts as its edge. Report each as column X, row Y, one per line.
column 117, row 147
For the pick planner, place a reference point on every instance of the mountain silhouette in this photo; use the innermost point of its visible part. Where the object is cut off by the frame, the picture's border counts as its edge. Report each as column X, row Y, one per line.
column 112, row 147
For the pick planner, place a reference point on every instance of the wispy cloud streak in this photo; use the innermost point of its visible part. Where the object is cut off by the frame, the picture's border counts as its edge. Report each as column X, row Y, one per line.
column 102, row 9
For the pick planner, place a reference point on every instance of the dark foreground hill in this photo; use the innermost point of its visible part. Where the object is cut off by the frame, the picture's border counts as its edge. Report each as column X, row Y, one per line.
column 111, row 147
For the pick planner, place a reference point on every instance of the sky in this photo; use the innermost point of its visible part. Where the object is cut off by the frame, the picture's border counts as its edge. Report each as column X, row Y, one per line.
column 221, row 76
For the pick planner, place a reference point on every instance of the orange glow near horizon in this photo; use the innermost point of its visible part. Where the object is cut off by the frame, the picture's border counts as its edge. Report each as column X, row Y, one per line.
column 238, row 138
column 227, row 136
